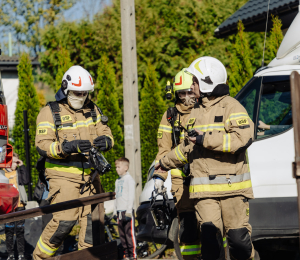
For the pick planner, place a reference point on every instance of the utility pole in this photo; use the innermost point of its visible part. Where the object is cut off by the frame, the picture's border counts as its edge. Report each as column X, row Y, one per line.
column 130, row 95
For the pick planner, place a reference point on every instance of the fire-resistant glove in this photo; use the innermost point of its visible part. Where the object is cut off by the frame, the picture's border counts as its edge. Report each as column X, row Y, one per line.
column 200, row 139
column 159, row 185
column 76, row 146
column 103, row 142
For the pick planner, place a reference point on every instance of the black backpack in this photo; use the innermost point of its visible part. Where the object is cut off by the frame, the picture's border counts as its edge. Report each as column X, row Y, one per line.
column 23, row 175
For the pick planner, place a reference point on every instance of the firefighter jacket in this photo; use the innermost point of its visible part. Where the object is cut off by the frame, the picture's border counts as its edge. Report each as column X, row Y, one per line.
column 165, row 132
column 75, row 124
column 219, row 166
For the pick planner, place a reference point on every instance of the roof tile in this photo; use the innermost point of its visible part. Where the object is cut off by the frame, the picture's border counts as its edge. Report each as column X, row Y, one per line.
column 252, row 9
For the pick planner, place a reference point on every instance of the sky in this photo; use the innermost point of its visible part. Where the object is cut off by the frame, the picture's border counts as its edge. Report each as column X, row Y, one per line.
column 81, row 10
column 85, row 9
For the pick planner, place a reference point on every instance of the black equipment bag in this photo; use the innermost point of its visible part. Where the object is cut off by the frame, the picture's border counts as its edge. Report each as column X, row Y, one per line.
column 39, row 190
column 23, row 175
column 42, row 183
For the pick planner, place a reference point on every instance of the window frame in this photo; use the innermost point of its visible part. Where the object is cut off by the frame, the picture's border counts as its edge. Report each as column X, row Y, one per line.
column 258, row 104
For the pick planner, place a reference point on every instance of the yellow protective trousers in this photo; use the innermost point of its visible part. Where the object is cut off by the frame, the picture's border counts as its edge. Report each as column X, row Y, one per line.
column 225, row 213
column 190, row 246
column 63, row 221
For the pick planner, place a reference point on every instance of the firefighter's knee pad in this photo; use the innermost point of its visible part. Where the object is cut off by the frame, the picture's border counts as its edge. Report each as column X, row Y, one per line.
column 64, row 228
column 88, row 238
column 188, row 231
column 212, row 242
column 240, row 246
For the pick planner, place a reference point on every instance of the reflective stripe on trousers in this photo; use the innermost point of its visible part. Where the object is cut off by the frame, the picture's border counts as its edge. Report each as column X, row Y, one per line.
column 46, row 249
column 190, row 249
column 224, row 242
column 221, row 183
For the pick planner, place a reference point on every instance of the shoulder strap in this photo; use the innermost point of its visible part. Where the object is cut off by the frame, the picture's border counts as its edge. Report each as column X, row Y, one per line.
column 91, row 106
column 171, row 117
column 104, row 119
column 55, row 109
column 172, row 114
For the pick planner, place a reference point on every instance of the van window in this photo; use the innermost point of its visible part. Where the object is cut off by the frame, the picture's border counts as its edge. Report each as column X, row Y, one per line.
column 275, row 109
column 249, row 96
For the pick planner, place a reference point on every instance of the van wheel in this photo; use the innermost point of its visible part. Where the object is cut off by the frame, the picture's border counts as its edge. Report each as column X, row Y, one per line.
column 176, row 239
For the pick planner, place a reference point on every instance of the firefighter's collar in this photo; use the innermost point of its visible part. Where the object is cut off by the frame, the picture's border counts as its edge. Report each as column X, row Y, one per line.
column 208, row 102
column 184, row 109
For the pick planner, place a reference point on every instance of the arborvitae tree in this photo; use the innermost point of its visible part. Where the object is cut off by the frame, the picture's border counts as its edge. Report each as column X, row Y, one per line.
column 27, row 100
column 107, row 100
column 170, row 33
column 152, row 108
column 274, row 41
column 240, row 62
column 64, row 63
column 41, row 97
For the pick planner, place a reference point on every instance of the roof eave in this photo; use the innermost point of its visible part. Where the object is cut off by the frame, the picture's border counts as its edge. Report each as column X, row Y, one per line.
column 222, row 32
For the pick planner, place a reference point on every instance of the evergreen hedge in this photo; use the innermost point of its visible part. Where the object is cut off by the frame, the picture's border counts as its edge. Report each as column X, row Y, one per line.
column 107, row 100
column 64, row 63
column 274, row 41
column 152, row 108
column 241, row 67
column 27, row 100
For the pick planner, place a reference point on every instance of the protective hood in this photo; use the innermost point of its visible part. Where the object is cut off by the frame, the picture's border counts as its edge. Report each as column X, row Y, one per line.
column 188, row 101
column 184, row 109
column 75, row 101
column 220, row 90
column 60, row 95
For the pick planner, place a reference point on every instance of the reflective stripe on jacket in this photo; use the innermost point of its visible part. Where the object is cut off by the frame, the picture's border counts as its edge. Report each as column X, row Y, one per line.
column 220, row 166
column 75, row 125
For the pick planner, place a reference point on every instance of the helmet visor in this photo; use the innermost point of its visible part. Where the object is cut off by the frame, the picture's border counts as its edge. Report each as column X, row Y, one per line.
column 80, row 93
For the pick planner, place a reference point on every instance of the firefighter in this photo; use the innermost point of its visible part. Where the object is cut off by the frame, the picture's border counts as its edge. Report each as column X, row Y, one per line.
column 220, row 182
column 170, row 133
column 66, row 130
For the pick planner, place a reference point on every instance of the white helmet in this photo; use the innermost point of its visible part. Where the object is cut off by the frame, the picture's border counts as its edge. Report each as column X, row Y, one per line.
column 209, row 71
column 77, row 79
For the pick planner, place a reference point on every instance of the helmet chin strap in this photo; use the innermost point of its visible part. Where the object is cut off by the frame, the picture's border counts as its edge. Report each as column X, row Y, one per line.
column 74, row 101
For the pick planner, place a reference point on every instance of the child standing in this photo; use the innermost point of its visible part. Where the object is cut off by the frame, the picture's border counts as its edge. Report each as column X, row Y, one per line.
column 125, row 192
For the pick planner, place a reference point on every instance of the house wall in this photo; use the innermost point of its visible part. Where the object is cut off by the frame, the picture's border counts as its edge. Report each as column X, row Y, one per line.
column 10, row 82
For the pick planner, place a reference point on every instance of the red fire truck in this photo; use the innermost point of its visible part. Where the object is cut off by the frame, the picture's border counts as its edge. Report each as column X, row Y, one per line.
column 9, row 195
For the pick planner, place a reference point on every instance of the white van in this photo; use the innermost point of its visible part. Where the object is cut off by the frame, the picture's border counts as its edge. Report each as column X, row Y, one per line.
column 274, row 211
